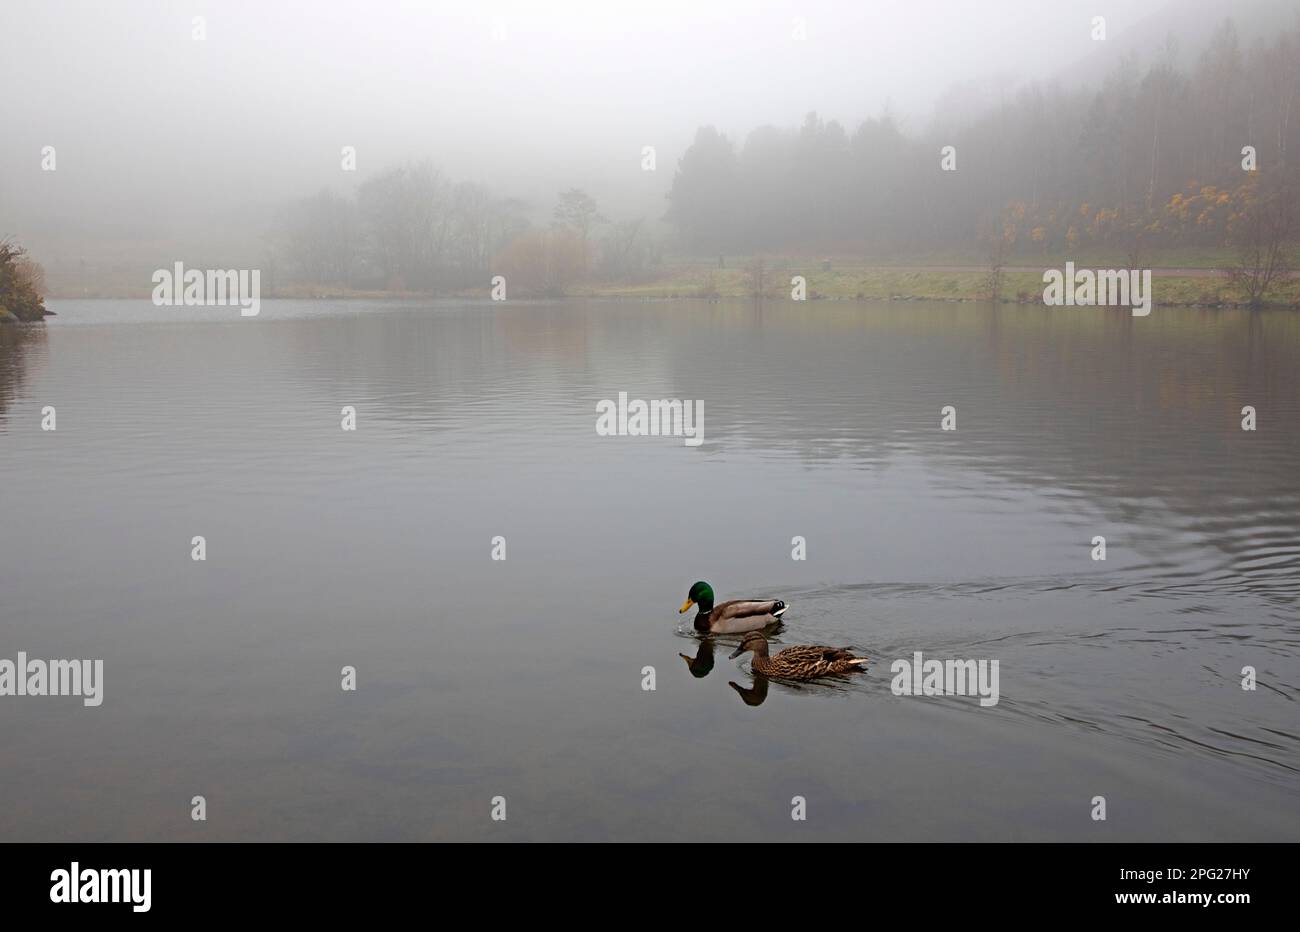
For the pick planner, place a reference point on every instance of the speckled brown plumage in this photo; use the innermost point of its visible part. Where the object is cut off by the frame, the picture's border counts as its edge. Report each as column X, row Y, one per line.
column 801, row 662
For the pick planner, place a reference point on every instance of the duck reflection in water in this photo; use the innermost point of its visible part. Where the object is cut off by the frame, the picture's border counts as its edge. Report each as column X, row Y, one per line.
column 701, row 665
column 754, row 695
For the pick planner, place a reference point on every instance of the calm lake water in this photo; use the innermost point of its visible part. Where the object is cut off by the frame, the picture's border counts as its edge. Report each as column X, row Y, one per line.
column 522, row 678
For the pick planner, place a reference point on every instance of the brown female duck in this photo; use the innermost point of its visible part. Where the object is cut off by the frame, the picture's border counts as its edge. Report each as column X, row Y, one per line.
column 802, row 662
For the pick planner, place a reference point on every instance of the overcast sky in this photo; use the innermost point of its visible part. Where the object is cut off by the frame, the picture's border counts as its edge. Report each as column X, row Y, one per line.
column 153, row 129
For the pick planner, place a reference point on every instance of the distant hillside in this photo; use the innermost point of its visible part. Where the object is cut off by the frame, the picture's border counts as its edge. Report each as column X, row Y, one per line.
column 1192, row 24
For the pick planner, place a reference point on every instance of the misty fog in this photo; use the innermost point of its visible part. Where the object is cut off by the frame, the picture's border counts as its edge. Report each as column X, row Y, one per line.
column 167, row 142
column 993, row 308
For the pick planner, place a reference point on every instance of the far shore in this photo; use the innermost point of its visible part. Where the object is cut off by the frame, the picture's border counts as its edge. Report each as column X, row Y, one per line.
column 834, row 279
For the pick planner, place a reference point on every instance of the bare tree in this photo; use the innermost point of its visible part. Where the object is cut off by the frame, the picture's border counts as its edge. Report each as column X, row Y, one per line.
column 320, row 238
column 626, row 250
column 997, row 239
column 408, row 215
column 577, row 210
column 1265, row 242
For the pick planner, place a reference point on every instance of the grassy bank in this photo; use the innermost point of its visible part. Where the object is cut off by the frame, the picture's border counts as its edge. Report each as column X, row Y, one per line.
column 1175, row 281
column 1180, row 277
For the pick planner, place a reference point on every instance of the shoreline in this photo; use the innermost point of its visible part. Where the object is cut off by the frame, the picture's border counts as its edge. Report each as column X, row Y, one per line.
column 825, row 280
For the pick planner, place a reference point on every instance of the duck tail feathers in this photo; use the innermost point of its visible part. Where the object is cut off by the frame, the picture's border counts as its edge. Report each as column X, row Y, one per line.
column 778, row 608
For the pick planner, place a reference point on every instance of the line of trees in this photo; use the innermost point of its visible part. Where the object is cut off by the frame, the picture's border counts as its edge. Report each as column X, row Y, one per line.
column 1149, row 159
column 410, row 228
column 1204, row 156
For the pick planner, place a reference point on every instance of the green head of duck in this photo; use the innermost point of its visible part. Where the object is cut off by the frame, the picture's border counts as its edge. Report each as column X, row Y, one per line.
column 701, row 594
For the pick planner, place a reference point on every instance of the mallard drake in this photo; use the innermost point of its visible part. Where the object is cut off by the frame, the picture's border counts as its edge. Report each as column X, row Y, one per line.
column 734, row 617
column 802, row 662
